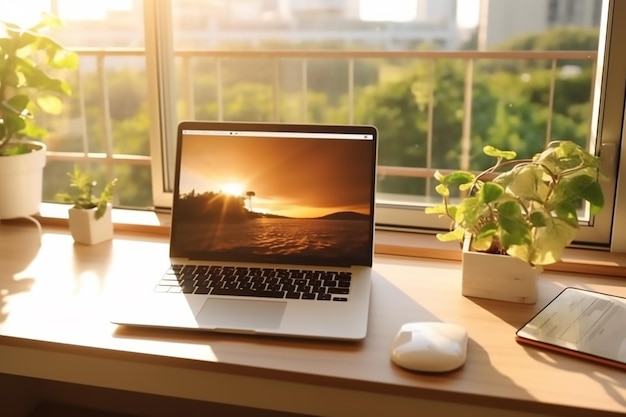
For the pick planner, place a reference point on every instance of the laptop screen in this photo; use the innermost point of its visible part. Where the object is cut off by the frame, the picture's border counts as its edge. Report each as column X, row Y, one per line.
column 276, row 193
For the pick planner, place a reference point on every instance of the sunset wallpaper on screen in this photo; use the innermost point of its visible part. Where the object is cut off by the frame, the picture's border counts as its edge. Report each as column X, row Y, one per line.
column 272, row 198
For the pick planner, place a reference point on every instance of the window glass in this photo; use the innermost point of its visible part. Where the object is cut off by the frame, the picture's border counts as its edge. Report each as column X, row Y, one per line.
column 104, row 124
column 439, row 78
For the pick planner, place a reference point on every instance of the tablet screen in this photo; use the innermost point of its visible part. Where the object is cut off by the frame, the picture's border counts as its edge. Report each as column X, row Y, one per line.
column 581, row 322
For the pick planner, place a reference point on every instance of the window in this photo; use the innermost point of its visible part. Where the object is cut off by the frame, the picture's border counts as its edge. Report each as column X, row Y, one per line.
column 439, row 78
column 104, row 125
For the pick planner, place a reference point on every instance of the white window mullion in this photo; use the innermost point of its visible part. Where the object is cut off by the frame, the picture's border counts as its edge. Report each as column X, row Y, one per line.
column 161, row 97
column 607, row 123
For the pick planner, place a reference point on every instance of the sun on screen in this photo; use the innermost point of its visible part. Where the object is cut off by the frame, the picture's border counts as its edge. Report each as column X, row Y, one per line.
column 234, row 189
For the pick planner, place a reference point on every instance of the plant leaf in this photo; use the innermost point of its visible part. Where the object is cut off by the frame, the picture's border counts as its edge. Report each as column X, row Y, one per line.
column 488, row 230
column 569, row 190
column 526, row 182
column 568, row 213
column 538, row 218
column 469, row 211
column 550, row 241
column 497, row 153
column 490, row 192
column 452, row 210
column 593, row 194
column 16, row 104
column 101, row 208
column 520, row 252
column 458, row 177
column 456, row 235
column 438, row 209
column 482, row 244
column 514, row 229
column 442, row 190
column 50, row 104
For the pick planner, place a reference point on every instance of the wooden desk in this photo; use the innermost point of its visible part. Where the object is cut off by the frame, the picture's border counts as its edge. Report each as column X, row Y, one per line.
column 54, row 326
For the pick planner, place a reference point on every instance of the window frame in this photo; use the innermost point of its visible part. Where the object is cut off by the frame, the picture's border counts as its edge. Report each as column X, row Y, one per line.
column 607, row 128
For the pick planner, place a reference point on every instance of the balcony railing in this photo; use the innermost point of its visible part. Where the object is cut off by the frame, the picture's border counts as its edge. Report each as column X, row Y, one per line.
column 185, row 63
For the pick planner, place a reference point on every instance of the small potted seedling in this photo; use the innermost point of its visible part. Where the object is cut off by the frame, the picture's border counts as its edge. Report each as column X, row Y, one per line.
column 90, row 215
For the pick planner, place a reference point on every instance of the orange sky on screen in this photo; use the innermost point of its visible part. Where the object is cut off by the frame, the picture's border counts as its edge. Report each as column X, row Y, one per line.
column 285, row 179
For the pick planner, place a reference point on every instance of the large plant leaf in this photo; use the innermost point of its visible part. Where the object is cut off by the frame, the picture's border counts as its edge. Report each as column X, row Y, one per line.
column 593, row 194
column 34, row 77
column 490, row 192
column 12, row 122
column 64, row 59
column 15, row 105
column 26, row 38
column 563, row 156
column 568, row 213
column 514, row 228
column 469, row 212
column 5, row 45
column 550, row 241
column 526, row 182
column 569, row 189
column 12, row 79
column 521, row 252
column 50, row 104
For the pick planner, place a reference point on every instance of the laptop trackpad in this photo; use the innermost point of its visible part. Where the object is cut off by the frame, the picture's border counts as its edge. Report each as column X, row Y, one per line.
column 241, row 314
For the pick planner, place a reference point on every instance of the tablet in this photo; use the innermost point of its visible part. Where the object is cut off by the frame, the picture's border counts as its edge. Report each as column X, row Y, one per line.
column 587, row 324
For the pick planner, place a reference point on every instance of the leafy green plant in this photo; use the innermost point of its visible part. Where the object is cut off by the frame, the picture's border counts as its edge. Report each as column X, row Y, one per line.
column 529, row 211
column 81, row 192
column 26, row 55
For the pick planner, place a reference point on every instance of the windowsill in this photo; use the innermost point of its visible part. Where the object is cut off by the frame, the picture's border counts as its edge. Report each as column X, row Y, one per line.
column 417, row 245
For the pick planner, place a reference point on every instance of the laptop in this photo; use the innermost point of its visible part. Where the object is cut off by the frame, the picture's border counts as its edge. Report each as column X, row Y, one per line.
column 272, row 232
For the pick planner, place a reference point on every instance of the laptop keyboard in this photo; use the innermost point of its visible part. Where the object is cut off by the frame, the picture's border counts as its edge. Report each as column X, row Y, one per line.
column 257, row 282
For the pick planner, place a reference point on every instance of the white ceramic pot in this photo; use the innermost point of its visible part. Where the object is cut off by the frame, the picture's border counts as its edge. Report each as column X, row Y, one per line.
column 86, row 229
column 21, row 182
column 498, row 277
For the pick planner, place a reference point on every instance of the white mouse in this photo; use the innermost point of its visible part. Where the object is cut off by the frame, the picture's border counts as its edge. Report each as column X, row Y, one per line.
column 430, row 346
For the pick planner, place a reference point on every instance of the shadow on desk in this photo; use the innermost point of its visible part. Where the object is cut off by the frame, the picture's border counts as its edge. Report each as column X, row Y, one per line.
column 604, row 375
column 26, row 248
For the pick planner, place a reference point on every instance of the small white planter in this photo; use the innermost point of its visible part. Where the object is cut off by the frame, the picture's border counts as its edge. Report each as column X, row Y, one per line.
column 86, row 229
column 498, row 277
column 21, row 179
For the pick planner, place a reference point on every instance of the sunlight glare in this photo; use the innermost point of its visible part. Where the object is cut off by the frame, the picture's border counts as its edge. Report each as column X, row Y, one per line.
column 389, row 10
column 24, row 13
column 234, row 189
column 467, row 13
column 82, row 10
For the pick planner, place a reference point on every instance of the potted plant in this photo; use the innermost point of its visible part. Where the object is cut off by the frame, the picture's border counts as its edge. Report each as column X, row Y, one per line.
column 90, row 215
column 27, row 60
column 526, row 215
